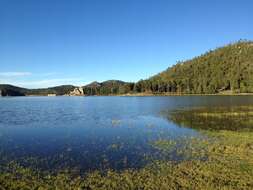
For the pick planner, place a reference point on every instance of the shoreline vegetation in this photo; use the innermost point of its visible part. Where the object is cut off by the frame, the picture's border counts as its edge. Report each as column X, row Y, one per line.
column 227, row 70
column 222, row 160
column 185, row 94
column 144, row 94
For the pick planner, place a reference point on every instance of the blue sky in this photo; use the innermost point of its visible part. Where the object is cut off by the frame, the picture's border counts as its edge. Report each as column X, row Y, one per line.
column 52, row 42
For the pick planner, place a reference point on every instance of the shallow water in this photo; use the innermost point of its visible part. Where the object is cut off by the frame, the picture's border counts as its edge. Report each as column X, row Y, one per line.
column 87, row 133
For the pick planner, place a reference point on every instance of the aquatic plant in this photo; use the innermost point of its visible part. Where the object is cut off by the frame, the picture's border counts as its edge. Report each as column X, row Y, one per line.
column 236, row 118
column 227, row 164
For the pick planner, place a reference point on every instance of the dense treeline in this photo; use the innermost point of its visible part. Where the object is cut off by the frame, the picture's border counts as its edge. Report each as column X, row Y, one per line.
column 228, row 68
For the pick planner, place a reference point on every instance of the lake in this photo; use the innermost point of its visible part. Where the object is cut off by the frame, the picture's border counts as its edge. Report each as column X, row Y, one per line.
column 94, row 133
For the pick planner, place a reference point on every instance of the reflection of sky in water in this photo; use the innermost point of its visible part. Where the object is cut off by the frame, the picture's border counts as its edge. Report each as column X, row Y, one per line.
column 91, row 132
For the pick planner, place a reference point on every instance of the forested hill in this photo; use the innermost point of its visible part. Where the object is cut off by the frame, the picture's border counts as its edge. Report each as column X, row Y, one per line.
column 108, row 88
column 229, row 68
column 57, row 90
column 9, row 90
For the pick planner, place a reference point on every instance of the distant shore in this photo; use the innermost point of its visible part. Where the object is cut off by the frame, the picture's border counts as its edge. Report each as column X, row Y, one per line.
column 140, row 94
column 177, row 94
column 153, row 94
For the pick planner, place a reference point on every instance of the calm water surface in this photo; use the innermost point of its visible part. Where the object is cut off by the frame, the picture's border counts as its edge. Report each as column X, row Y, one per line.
column 88, row 133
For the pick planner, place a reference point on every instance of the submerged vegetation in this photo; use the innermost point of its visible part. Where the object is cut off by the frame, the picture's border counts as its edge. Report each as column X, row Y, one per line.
column 228, row 165
column 223, row 159
column 236, row 118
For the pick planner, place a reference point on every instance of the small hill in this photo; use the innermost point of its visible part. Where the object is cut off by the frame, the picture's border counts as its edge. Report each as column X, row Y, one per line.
column 108, row 87
column 228, row 68
column 94, row 84
column 58, row 90
column 10, row 90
